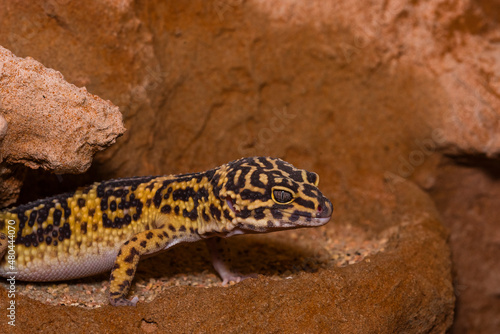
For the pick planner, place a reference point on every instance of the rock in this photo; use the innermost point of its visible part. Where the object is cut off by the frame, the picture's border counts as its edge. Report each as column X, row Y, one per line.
column 446, row 43
column 48, row 123
column 404, row 286
column 51, row 124
column 114, row 66
column 11, row 181
column 471, row 215
column 3, row 127
column 355, row 91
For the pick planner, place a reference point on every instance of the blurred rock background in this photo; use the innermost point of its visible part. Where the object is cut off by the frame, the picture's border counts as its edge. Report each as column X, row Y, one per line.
column 360, row 92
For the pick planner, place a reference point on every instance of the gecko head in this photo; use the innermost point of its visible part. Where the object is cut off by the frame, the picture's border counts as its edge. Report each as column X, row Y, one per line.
column 267, row 194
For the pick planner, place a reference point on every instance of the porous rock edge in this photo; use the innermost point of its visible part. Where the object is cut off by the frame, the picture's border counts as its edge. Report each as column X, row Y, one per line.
column 46, row 122
column 406, row 288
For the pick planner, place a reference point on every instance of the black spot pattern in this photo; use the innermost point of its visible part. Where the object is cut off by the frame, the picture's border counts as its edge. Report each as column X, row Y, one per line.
column 215, row 212
column 251, row 195
column 84, row 228
column 227, row 215
column 206, row 217
column 305, row 203
column 120, row 206
column 32, row 219
column 193, row 215
column 158, row 197
column 130, row 257
column 276, row 214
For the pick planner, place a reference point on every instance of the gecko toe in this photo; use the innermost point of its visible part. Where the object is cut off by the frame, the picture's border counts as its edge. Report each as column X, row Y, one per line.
column 123, row 301
column 236, row 277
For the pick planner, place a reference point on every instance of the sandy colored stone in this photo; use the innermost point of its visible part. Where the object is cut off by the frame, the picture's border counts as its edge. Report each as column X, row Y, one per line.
column 457, row 45
column 11, row 181
column 356, row 91
column 51, row 124
column 45, row 122
column 3, row 127
column 472, row 218
column 405, row 287
column 442, row 39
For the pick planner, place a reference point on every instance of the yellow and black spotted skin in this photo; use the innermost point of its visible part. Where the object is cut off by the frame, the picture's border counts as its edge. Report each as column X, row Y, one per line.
column 110, row 225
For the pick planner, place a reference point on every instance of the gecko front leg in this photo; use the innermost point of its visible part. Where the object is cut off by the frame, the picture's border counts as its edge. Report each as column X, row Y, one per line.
column 219, row 255
column 143, row 243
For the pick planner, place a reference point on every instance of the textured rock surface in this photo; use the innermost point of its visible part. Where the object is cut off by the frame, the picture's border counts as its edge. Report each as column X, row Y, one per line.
column 356, row 91
column 455, row 43
column 405, row 288
column 11, row 181
column 45, row 122
column 51, row 124
column 472, row 215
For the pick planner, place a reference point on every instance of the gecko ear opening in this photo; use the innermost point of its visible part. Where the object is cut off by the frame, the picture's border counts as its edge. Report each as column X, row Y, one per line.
column 230, row 204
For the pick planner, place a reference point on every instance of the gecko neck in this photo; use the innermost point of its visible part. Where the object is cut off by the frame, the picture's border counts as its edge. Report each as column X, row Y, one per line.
column 188, row 202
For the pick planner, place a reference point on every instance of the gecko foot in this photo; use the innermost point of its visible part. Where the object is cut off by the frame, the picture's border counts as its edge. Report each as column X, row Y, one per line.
column 235, row 277
column 121, row 301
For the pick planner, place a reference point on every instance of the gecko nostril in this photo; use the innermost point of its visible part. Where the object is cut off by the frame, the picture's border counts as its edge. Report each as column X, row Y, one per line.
column 320, row 211
column 324, row 209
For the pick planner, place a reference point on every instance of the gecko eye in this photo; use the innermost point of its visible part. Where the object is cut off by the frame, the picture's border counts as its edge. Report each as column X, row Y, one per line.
column 282, row 196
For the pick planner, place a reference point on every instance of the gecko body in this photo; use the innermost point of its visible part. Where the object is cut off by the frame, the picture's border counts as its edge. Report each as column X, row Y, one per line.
column 110, row 225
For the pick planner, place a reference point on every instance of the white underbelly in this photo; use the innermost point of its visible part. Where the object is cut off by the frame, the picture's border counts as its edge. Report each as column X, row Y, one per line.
column 62, row 268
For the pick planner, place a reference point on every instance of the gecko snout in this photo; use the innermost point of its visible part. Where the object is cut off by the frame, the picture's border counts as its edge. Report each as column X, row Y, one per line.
column 325, row 208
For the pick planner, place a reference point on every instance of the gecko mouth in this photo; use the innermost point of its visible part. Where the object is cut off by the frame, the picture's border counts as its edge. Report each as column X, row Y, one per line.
column 322, row 221
column 304, row 221
column 295, row 219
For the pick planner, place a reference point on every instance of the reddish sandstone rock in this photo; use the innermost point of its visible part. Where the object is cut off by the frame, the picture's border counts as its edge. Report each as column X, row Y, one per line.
column 471, row 215
column 405, row 286
column 356, row 91
column 45, row 122
column 51, row 124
